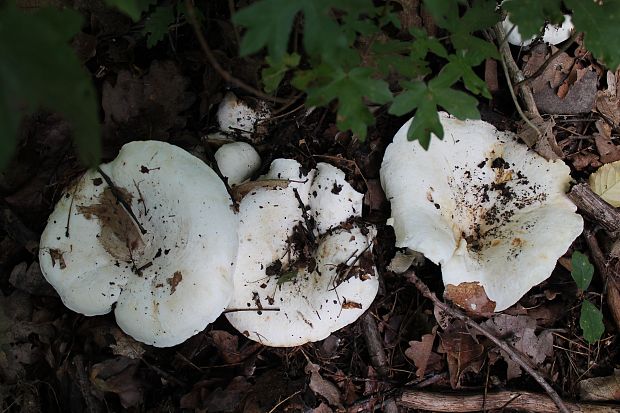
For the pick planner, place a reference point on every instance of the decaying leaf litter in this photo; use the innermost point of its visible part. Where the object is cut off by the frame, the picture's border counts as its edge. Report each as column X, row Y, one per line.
column 52, row 359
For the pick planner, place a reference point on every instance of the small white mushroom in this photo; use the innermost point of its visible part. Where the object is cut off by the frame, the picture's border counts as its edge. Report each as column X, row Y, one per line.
column 166, row 282
column 300, row 284
column 237, row 161
column 237, row 118
column 492, row 213
column 553, row 34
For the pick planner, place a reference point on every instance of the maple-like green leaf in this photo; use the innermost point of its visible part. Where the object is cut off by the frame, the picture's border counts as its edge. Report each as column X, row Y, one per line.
column 531, row 15
column 38, row 68
column 425, row 98
column 156, row 24
column 274, row 73
column 350, row 88
column 591, row 322
column 132, row 8
column 599, row 20
column 582, row 270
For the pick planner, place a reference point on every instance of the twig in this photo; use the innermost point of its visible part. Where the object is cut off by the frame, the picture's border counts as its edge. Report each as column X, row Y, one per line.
column 516, row 356
column 512, row 73
column 256, row 309
column 377, row 355
column 284, row 401
column 527, row 401
column 613, row 292
column 121, row 199
column 547, row 62
column 191, row 14
column 595, row 208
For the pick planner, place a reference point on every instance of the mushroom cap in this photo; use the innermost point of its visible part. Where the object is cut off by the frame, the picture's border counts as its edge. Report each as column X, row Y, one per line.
column 286, row 310
column 168, row 283
column 237, row 117
column 553, row 34
column 237, row 161
column 491, row 212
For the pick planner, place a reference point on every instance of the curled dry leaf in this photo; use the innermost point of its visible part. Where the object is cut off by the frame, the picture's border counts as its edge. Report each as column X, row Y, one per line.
column 601, row 388
column 605, row 182
column 323, row 387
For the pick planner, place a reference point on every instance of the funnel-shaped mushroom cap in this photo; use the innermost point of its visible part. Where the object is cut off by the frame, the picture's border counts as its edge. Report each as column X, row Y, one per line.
column 291, row 302
column 167, row 283
column 492, row 213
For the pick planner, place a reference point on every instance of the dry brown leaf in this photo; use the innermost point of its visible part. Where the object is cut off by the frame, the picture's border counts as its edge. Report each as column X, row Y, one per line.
column 583, row 160
column 520, row 332
column 607, row 102
column 463, row 353
column 544, row 144
column 322, row 387
column 601, row 388
column 119, row 376
column 421, row 352
column 228, row 347
column 323, row 408
column 578, row 99
column 608, row 151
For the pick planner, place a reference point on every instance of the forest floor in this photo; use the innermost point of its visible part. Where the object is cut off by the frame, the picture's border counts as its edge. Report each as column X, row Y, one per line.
column 398, row 356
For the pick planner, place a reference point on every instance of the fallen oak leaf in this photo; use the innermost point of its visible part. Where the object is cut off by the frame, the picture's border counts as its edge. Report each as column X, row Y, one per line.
column 322, row 387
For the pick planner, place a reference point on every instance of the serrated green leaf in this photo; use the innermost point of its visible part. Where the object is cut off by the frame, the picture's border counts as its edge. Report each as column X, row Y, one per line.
column 274, row 73
column 582, row 270
column 156, row 24
column 425, row 123
column 269, row 24
column 480, row 15
column 599, row 21
column 605, row 182
column 409, row 99
column 591, row 322
column 458, row 103
column 132, row 8
column 350, row 88
column 39, row 68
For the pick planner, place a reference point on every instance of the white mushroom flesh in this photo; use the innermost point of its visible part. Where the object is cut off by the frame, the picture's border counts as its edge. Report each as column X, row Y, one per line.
column 237, row 161
column 491, row 212
column 553, row 34
column 297, row 304
column 237, row 118
column 168, row 283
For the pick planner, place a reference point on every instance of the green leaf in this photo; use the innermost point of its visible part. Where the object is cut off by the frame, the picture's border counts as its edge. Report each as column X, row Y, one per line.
column 350, row 88
column 458, row 103
column 132, row 8
column 582, row 270
column 409, row 99
column 531, row 15
column 599, row 21
column 156, row 24
column 269, row 24
column 425, row 123
column 591, row 322
column 39, row 68
column 273, row 75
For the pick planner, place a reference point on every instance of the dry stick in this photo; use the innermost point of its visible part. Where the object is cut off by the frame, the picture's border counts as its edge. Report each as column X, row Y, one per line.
column 513, row 74
column 191, row 14
column 377, row 355
column 613, row 291
column 121, row 199
column 595, row 208
column 514, row 354
column 547, row 62
column 531, row 402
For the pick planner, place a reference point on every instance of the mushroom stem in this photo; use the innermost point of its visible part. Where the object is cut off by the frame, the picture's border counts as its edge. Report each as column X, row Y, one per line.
column 514, row 354
column 119, row 198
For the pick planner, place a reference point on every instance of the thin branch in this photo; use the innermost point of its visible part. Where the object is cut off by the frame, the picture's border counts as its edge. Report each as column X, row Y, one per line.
column 514, row 75
column 121, row 199
column 516, row 356
column 191, row 14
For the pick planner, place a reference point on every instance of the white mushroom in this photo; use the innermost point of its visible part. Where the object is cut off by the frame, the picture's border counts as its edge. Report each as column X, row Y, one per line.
column 237, row 118
column 300, row 284
column 553, row 34
column 237, row 161
column 492, row 213
column 166, row 282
